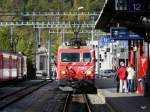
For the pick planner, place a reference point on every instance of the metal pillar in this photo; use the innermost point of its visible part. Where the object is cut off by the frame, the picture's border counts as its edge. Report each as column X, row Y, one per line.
column 92, row 32
column 147, row 80
column 11, row 39
column 98, row 60
column 92, row 35
column 63, row 36
column 39, row 37
column 58, row 22
column 35, row 50
column 129, row 50
column 49, row 59
column 141, row 47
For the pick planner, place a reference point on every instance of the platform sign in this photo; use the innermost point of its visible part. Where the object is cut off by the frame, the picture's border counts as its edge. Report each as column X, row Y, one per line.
column 119, row 33
column 136, row 5
column 122, row 33
column 121, row 5
column 133, row 5
column 135, row 36
column 125, row 44
column 147, row 6
column 104, row 40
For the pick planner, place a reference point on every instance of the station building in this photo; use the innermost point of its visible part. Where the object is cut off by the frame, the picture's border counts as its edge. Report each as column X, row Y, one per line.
column 135, row 16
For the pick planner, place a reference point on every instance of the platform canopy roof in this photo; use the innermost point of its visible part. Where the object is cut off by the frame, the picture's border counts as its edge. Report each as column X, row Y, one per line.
column 136, row 20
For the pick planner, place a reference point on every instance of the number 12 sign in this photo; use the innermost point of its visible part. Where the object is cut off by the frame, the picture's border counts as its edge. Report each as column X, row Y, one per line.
column 139, row 5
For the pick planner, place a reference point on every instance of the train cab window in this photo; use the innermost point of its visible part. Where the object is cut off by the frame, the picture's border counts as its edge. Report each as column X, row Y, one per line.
column 70, row 57
column 86, row 57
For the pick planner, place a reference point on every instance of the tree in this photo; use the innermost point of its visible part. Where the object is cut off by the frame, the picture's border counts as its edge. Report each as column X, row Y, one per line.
column 26, row 43
column 4, row 39
column 24, row 35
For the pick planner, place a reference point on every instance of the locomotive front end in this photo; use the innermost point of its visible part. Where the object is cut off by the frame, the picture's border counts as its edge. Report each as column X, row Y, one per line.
column 76, row 68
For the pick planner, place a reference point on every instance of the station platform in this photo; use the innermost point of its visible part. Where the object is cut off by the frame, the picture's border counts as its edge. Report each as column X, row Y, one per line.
column 121, row 102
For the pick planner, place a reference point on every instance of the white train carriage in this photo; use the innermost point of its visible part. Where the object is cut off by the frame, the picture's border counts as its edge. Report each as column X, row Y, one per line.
column 24, row 66
column 21, row 66
column 4, row 66
column 12, row 66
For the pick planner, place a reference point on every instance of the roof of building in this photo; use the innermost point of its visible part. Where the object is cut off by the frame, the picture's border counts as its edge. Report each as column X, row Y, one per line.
column 109, row 17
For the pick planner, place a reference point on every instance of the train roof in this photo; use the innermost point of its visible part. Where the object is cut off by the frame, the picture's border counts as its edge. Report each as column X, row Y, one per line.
column 75, row 47
column 11, row 53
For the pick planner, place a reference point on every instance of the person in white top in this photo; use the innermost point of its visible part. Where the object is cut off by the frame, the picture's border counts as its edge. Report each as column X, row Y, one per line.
column 130, row 78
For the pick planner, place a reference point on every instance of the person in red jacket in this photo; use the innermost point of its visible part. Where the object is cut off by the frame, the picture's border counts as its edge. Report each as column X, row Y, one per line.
column 142, row 71
column 122, row 73
column 143, row 64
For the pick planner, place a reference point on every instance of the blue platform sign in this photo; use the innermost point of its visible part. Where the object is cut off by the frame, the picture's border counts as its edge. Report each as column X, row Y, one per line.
column 135, row 36
column 104, row 40
column 136, row 5
column 119, row 33
column 122, row 33
column 133, row 5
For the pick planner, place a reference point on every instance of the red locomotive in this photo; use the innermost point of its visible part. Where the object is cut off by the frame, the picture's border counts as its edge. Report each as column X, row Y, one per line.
column 12, row 66
column 76, row 67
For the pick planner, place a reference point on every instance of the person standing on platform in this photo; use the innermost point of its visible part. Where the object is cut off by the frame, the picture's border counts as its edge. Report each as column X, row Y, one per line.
column 143, row 65
column 116, row 80
column 122, row 73
column 142, row 72
column 130, row 78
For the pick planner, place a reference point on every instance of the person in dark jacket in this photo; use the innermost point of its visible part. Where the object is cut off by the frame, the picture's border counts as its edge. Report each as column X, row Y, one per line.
column 116, row 79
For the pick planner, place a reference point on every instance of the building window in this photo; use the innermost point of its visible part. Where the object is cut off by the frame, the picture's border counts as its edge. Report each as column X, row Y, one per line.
column 42, row 62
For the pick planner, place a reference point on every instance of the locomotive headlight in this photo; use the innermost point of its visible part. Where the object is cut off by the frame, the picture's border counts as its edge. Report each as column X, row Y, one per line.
column 63, row 72
column 89, row 72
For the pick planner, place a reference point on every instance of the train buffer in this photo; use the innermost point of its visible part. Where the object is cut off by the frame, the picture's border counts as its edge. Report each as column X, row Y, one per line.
column 66, row 88
column 123, row 102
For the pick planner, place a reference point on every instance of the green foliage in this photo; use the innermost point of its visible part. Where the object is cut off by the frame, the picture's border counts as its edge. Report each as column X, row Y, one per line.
column 4, row 39
column 25, row 43
column 55, row 5
column 55, row 46
column 45, row 5
column 24, row 36
column 22, row 42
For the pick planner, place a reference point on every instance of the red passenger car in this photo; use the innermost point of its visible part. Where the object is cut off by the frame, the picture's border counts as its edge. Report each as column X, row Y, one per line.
column 12, row 66
column 76, row 67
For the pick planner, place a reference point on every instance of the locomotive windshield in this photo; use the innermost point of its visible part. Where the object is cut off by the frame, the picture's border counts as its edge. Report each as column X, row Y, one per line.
column 70, row 57
column 86, row 57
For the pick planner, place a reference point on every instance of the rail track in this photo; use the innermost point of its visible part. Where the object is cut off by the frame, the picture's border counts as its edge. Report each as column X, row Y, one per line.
column 11, row 82
column 11, row 98
column 77, row 103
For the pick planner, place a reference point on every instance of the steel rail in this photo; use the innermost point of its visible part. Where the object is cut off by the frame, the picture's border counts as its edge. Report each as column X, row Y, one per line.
column 68, row 102
column 17, row 95
column 68, row 98
column 87, row 103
